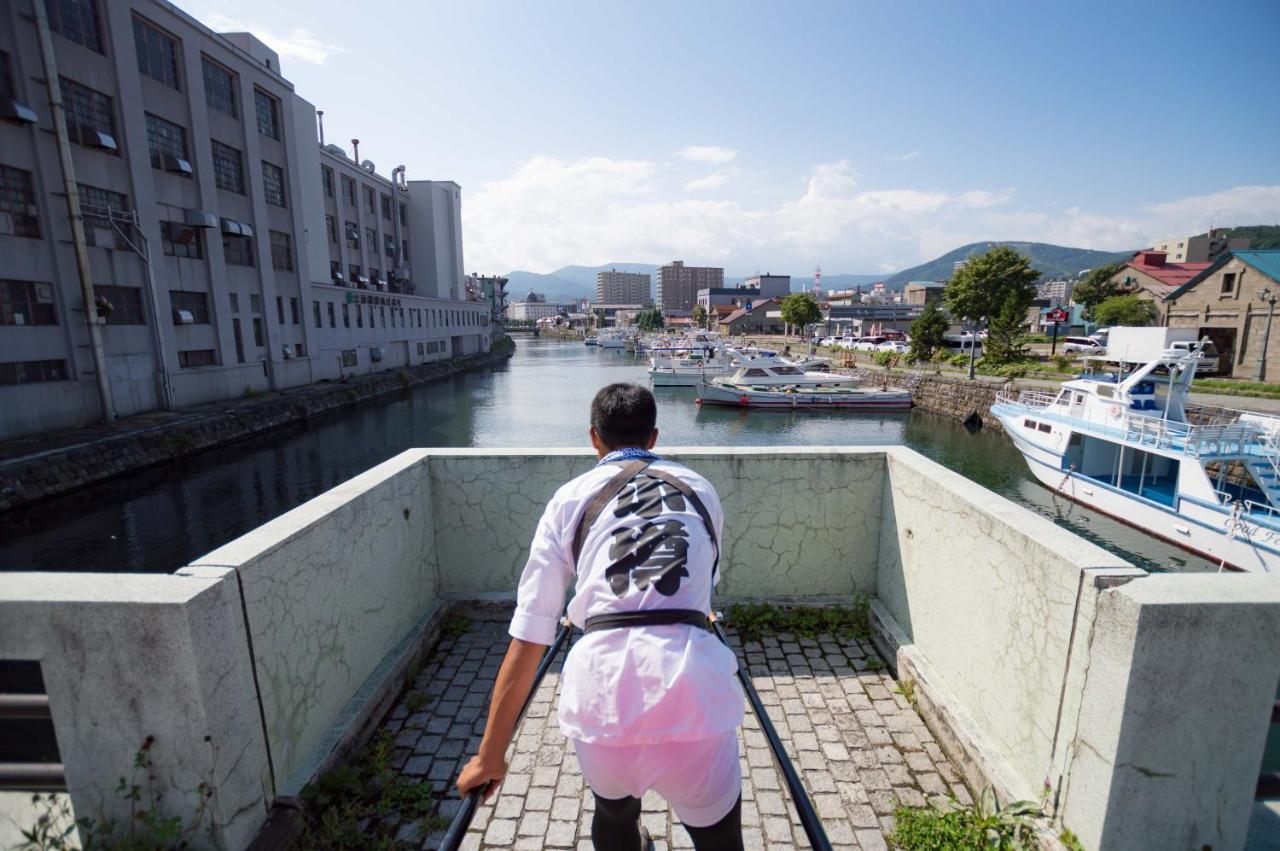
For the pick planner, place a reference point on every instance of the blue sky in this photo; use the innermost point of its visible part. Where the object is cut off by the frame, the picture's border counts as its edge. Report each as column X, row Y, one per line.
column 861, row 136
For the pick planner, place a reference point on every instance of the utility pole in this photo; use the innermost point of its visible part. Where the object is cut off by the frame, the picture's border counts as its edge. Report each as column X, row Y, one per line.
column 973, row 348
column 73, row 212
column 1269, row 299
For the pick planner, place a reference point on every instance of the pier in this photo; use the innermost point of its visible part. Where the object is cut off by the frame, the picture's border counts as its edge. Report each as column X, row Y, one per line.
column 1136, row 706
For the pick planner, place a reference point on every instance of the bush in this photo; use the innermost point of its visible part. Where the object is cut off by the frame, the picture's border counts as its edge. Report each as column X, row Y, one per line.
column 1062, row 363
column 1017, row 369
column 985, row 825
column 961, row 359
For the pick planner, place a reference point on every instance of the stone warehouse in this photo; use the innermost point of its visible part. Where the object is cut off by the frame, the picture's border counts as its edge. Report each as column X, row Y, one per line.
column 1135, row 706
column 222, row 248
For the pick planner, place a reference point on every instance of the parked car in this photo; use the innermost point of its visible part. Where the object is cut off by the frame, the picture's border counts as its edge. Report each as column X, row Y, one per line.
column 895, row 346
column 867, row 344
column 1081, row 346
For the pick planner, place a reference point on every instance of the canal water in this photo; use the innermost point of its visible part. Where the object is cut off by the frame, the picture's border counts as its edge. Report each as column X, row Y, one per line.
column 159, row 520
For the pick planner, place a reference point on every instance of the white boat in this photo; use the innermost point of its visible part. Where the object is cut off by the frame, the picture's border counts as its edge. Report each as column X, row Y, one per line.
column 1205, row 479
column 760, row 384
column 591, row 341
column 672, row 366
column 611, row 341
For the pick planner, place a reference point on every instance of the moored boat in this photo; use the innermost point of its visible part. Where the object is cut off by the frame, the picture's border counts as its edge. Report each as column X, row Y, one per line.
column 1132, row 446
column 719, row 392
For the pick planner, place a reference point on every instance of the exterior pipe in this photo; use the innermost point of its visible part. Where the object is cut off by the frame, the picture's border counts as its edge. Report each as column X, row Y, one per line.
column 398, row 261
column 73, row 212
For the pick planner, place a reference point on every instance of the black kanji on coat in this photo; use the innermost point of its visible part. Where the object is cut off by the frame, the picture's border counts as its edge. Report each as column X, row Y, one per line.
column 655, row 553
column 647, row 496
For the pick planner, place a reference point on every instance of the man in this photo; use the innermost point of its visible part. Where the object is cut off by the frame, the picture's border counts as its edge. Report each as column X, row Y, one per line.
column 649, row 696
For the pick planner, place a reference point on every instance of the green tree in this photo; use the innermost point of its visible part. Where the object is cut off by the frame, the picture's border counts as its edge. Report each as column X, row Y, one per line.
column 649, row 320
column 699, row 316
column 1096, row 289
column 995, row 285
column 1005, row 331
column 800, row 310
column 1125, row 310
column 927, row 332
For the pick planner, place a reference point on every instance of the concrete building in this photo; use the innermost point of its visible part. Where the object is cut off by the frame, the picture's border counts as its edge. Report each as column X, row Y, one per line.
column 614, row 287
column 922, row 292
column 1222, row 303
column 532, row 308
column 614, row 314
column 861, row 320
column 764, row 317
column 226, row 251
column 492, row 289
column 768, row 286
column 1057, row 292
column 678, row 285
column 1201, row 248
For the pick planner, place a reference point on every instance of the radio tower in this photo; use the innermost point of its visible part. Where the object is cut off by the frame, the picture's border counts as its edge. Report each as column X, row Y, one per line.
column 817, row 283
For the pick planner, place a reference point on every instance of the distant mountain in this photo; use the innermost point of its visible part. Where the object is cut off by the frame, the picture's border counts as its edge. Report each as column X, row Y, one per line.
column 553, row 286
column 1053, row 261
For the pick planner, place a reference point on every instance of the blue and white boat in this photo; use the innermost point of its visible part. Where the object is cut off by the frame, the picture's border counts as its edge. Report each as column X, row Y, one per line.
column 1132, row 447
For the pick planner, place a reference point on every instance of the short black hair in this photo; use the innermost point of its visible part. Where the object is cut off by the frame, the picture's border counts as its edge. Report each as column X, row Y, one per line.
column 624, row 415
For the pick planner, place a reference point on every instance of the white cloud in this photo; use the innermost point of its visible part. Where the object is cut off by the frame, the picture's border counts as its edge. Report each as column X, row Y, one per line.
column 907, row 157
column 297, row 44
column 712, row 181
column 712, row 154
column 552, row 212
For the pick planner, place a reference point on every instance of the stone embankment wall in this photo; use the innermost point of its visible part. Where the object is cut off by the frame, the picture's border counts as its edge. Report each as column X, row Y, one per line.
column 958, row 398
column 59, row 470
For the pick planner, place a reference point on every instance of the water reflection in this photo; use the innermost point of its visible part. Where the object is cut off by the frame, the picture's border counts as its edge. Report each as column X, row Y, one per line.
column 160, row 519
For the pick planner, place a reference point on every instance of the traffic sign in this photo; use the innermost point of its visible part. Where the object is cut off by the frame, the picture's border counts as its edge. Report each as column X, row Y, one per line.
column 1056, row 315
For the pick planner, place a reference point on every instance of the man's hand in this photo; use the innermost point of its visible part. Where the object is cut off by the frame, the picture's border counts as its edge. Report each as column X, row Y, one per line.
column 477, row 772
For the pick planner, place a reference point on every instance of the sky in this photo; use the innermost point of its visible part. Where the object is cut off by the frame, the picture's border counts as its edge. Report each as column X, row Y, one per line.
column 864, row 137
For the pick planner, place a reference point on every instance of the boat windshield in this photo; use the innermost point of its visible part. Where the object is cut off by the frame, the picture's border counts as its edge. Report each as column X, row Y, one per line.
column 786, row 370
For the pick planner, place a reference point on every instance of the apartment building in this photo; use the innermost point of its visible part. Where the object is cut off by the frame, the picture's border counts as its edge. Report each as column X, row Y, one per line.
column 678, row 285
column 207, row 212
column 614, row 287
column 1200, row 248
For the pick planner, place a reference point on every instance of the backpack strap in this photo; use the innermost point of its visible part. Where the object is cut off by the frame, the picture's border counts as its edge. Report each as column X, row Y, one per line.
column 602, row 498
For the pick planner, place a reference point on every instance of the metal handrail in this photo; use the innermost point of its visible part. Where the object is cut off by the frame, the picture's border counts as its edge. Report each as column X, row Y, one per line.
column 32, row 776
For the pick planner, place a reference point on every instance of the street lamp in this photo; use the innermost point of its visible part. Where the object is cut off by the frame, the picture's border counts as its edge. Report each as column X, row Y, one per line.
column 1269, row 299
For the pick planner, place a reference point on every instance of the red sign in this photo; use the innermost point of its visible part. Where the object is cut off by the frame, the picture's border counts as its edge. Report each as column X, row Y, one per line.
column 1056, row 315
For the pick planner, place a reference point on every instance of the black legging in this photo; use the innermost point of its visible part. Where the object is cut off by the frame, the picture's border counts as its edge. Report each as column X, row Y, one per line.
column 616, row 827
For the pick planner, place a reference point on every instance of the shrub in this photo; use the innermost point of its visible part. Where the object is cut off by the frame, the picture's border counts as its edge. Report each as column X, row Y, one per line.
column 985, row 825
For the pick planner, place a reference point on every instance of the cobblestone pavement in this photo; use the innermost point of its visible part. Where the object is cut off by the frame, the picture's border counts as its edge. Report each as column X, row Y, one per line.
column 859, row 747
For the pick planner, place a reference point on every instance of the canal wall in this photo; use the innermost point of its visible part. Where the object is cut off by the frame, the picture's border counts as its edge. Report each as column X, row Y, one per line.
column 958, row 398
column 42, row 471
column 1034, row 656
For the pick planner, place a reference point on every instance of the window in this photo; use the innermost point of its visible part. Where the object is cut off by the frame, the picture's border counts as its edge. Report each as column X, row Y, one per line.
column 228, row 168
column 76, row 20
column 197, row 357
column 32, row 371
column 268, row 114
column 315, row 314
column 235, row 327
column 389, row 244
column 281, row 251
column 374, row 274
column 237, row 250
column 273, row 184
column 126, row 305
column 335, row 270
column 1229, row 283
column 26, row 303
column 331, row 321
column 404, row 212
column 17, row 201
column 259, row 339
column 157, row 53
column 382, row 311
column 349, row 190
column 178, row 240
column 93, row 199
column 346, row 316
column 88, row 113
column 294, row 313
column 197, row 304
column 368, row 200
column 353, row 272
column 219, row 88
column 255, row 303
column 349, row 357
column 404, row 250
column 331, row 228
column 280, row 309
column 165, row 137
column 353, row 235
column 385, row 201
column 6, row 77
column 359, row 316
column 372, row 236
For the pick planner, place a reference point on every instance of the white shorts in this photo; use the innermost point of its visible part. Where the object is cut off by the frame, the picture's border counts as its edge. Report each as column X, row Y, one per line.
column 701, row 779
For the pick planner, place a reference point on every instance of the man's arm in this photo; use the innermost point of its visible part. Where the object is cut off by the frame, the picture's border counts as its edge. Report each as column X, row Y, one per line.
column 515, row 677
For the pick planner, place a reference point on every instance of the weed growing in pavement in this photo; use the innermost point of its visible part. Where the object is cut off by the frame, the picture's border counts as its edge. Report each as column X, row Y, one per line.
column 948, row 825
column 754, row 620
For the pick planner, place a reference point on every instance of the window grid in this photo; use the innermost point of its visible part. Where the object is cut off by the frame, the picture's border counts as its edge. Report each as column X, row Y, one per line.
column 369, row 203
column 196, row 303
column 157, row 53
column 237, row 250
column 349, row 191
column 326, row 176
column 197, row 357
column 126, row 304
column 6, row 77
column 385, row 203
column 86, row 111
column 281, row 251
column 178, row 240
column 32, row 371
column 219, row 88
column 268, row 111
column 27, row 303
column 228, row 167
column 294, row 313
column 76, row 20
column 92, row 196
column 18, row 198
column 273, row 184
column 331, row 227
column 165, row 137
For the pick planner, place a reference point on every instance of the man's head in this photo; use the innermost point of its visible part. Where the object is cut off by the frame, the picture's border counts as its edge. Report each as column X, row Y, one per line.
column 623, row 416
